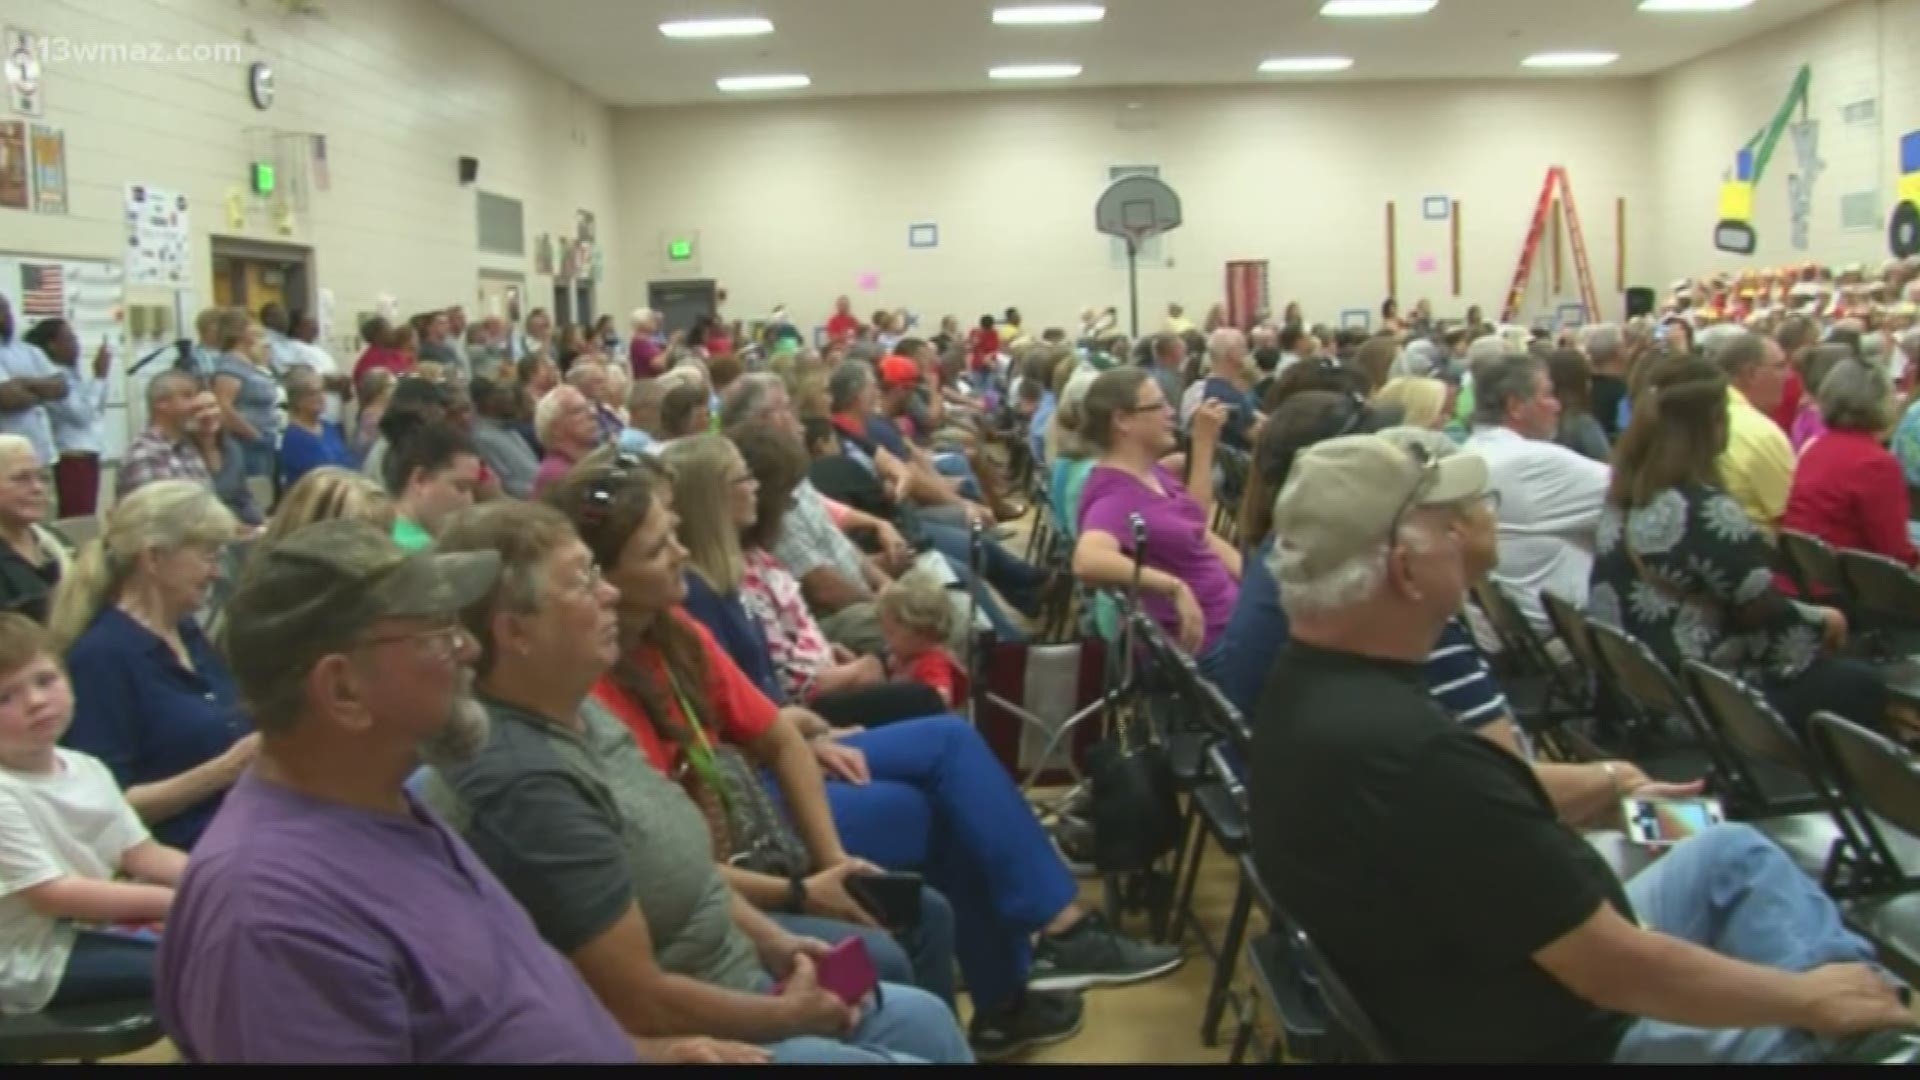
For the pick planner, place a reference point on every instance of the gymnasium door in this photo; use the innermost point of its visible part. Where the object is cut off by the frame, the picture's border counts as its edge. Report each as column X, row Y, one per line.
column 251, row 274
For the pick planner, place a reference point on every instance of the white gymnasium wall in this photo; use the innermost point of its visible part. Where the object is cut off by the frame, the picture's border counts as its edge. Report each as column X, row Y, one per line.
column 1704, row 111
column 794, row 201
column 401, row 89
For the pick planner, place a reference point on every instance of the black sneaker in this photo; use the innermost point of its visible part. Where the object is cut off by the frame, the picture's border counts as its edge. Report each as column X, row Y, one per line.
column 1094, row 954
column 1040, row 1019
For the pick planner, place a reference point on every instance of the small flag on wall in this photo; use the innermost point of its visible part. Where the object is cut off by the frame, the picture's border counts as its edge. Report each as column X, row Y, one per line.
column 321, row 180
column 42, row 291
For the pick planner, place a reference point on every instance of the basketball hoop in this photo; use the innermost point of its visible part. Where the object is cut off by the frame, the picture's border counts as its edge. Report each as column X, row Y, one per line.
column 1136, row 209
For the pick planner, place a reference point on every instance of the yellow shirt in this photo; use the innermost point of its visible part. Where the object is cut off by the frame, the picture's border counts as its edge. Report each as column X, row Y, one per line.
column 1757, row 466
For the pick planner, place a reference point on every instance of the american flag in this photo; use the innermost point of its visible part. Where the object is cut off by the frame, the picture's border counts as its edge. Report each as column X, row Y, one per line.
column 42, row 291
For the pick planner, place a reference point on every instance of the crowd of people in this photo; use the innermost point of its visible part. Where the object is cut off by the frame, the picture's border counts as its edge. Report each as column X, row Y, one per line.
column 613, row 598
column 538, row 694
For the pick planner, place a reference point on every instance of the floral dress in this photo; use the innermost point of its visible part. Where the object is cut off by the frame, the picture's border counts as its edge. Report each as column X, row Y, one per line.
column 800, row 651
column 1690, row 575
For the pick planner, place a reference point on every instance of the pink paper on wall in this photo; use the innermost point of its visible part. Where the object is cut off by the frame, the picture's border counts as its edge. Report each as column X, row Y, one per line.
column 1426, row 264
column 868, row 281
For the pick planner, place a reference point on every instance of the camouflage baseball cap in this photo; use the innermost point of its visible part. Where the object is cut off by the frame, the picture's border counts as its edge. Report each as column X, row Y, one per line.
column 321, row 588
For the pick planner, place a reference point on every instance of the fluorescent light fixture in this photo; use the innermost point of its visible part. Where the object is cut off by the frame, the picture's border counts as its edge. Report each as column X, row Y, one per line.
column 1049, row 15
column 749, row 84
column 716, row 28
column 1034, row 71
column 1375, row 9
column 1570, row 59
column 1300, row 65
column 1665, row 6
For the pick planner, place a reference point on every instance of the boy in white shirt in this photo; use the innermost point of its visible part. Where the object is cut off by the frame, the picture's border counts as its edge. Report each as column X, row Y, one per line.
column 65, row 832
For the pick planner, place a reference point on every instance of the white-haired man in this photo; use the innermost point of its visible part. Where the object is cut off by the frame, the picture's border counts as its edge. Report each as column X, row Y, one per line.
column 568, row 426
column 1468, row 920
column 1606, row 348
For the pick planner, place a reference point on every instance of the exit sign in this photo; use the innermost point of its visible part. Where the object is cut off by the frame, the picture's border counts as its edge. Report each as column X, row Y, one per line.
column 680, row 250
column 262, row 178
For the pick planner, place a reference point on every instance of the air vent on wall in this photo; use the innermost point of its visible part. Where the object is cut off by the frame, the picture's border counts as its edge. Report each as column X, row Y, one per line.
column 1860, row 211
column 1864, row 111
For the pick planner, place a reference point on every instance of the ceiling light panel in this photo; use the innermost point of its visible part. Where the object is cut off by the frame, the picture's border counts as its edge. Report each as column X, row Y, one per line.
column 1304, row 65
column 1570, row 59
column 1674, row 6
column 1375, row 9
column 1034, row 71
column 1049, row 15
column 750, row 84
column 692, row 29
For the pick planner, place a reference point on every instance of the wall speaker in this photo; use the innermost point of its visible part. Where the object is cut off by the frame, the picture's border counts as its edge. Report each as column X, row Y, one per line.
column 469, row 170
column 1640, row 301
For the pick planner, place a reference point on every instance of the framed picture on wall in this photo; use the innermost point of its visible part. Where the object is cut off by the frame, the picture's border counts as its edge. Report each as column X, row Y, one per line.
column 923, row 234
column 1356, row 319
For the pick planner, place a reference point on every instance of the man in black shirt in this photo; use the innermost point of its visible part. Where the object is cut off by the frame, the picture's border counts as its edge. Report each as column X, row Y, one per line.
column 1429, row 865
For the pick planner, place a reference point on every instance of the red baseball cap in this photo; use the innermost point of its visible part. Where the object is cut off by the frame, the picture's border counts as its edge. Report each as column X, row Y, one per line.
column 898, row 372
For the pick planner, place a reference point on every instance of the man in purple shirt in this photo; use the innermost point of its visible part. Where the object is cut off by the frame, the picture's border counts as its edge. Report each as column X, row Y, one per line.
column 327, row 915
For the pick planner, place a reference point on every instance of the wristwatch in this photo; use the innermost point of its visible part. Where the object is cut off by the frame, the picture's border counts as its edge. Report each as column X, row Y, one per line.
column 797, row 895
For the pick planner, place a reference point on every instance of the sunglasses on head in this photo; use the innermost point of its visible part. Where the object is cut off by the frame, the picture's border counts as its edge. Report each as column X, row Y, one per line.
column 604, row 490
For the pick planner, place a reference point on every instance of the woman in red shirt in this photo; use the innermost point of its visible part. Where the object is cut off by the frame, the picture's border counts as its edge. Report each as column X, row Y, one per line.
column 923, row 795
column 382, row 349
column 1848, row 488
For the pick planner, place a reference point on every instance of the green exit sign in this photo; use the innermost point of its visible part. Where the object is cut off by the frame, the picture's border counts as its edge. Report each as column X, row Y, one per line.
column 680, row 250
column 262, row 178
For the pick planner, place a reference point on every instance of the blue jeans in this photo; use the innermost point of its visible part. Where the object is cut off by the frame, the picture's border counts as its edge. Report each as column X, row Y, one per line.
column 954, row 466
column 922, row 956
column 942, row 804
column 1018, row 580
column 908, row 1027
column 1730, row 889
column 106, row 967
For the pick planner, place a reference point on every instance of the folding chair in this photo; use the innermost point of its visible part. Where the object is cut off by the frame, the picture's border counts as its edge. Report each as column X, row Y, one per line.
column 1886, row 601
column 1879, row 785
column 1812, row 565
column 84, row 1033
column 1786, row 793
column 1647, row 686
column 1544, row 695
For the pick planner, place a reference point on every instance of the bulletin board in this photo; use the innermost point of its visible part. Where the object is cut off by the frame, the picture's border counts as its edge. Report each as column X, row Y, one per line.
column 89, row 293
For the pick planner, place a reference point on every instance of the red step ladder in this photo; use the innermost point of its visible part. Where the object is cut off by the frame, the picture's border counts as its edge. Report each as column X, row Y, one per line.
column 1556, row 180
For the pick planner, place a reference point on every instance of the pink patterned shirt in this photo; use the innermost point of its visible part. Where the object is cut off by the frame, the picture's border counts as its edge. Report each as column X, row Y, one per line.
column 799, row 649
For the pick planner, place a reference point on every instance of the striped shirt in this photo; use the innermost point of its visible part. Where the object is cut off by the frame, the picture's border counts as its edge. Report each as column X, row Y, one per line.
column 1459, row 680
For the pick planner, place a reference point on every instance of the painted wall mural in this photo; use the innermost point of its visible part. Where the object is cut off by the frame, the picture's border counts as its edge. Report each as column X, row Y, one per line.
column 1903, row 229
column 1734, row 231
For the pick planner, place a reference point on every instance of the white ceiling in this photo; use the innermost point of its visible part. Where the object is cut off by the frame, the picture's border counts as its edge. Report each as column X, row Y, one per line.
column 614, row 49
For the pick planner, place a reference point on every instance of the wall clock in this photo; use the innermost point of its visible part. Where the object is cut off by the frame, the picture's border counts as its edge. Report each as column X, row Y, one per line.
column 260, row 84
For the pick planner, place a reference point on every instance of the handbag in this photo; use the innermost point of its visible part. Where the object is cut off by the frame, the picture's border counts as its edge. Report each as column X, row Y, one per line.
column 748, row 830
column 1135, row 806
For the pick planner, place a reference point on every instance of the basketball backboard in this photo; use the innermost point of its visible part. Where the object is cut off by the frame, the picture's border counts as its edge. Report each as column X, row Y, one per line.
column 1137, row 207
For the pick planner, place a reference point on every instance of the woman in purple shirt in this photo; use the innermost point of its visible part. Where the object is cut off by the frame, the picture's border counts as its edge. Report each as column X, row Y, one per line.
column 1191, row 578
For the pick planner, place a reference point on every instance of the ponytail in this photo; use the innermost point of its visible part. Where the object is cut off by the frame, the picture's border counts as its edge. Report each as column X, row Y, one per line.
column 83, row 591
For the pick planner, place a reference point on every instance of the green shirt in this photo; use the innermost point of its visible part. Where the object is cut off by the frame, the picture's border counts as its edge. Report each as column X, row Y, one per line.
column 581, row 826
column 411, row 536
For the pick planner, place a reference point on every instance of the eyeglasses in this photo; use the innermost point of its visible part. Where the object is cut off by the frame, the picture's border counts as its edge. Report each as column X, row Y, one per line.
column 1163, row 405
column 441, row 643
column 589, row 579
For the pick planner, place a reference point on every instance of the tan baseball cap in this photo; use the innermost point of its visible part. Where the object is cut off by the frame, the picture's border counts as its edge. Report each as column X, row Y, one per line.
column 1345, row 493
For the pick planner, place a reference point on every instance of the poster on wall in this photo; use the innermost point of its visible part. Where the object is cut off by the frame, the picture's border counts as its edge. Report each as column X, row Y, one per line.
column 87, row 293
column 22, row 62
column 157, row 236
column 13, row 164
column 49, row 169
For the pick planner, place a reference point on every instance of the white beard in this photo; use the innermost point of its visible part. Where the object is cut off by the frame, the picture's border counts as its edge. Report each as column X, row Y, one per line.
column 465, row 732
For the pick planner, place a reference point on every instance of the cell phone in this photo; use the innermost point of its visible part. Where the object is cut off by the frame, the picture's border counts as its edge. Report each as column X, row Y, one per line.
column 893, row 899
column 1666, row 822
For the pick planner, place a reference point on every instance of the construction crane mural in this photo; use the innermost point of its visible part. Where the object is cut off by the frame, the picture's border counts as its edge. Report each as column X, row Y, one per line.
column 1734, row 231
